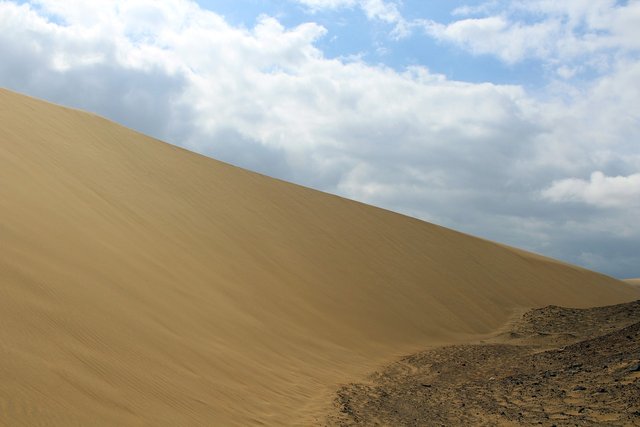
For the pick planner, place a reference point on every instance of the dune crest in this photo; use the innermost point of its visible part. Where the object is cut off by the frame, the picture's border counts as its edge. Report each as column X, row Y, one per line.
column 141, row 283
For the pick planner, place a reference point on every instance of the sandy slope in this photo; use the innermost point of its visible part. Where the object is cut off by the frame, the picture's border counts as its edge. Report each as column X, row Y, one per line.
column 141, row 284
column 633, row 281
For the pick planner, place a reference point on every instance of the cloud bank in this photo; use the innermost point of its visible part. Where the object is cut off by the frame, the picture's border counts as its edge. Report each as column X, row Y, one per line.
column 530, row 169
column 571, row 36
column 600, row 190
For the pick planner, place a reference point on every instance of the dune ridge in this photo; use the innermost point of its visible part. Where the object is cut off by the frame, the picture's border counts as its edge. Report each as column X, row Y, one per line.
column 142, row 284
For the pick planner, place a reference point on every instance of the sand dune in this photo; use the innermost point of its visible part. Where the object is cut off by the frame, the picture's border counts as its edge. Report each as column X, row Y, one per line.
column 635, row 282
column 142, row 284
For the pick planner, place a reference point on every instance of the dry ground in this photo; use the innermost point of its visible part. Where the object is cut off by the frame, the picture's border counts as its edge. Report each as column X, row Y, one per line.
column 553, row 366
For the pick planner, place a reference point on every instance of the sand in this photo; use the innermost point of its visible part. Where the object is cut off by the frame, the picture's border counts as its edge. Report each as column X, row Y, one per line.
column 142, row 284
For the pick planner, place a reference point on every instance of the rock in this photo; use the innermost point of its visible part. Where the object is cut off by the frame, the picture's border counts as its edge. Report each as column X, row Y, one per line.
column 579, row 388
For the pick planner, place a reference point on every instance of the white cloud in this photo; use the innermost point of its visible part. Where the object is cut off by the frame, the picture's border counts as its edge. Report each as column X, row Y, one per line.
column 471, row 156
column 572, row 37
column 478, row 9
column 496, row 35
column 381, row 10
column 327, row 4
column 599, row 190
column 590, row 33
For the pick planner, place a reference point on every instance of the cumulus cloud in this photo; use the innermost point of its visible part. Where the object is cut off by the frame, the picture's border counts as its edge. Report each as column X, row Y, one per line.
column 475, row 157
column 496, row 35
column 327, row 4
column 381, row 10
column 560, row 33
column 599, row 190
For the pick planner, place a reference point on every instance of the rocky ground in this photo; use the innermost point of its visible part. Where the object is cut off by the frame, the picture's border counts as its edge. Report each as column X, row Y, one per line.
column 553, row 366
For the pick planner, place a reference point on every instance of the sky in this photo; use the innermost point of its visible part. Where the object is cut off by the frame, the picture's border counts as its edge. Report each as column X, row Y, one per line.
column 513, row 120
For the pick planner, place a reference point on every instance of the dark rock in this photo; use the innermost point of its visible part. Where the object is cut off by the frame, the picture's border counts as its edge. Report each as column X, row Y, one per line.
column 635, row 368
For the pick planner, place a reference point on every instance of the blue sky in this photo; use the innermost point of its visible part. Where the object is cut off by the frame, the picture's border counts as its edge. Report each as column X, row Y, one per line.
column 350, row 33
column 517, row 121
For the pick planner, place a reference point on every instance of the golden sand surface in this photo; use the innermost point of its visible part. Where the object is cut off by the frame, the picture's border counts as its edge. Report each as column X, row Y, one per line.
column 142, row 284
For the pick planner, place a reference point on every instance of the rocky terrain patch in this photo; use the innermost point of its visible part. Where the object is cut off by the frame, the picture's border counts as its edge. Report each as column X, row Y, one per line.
column 554, row 366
